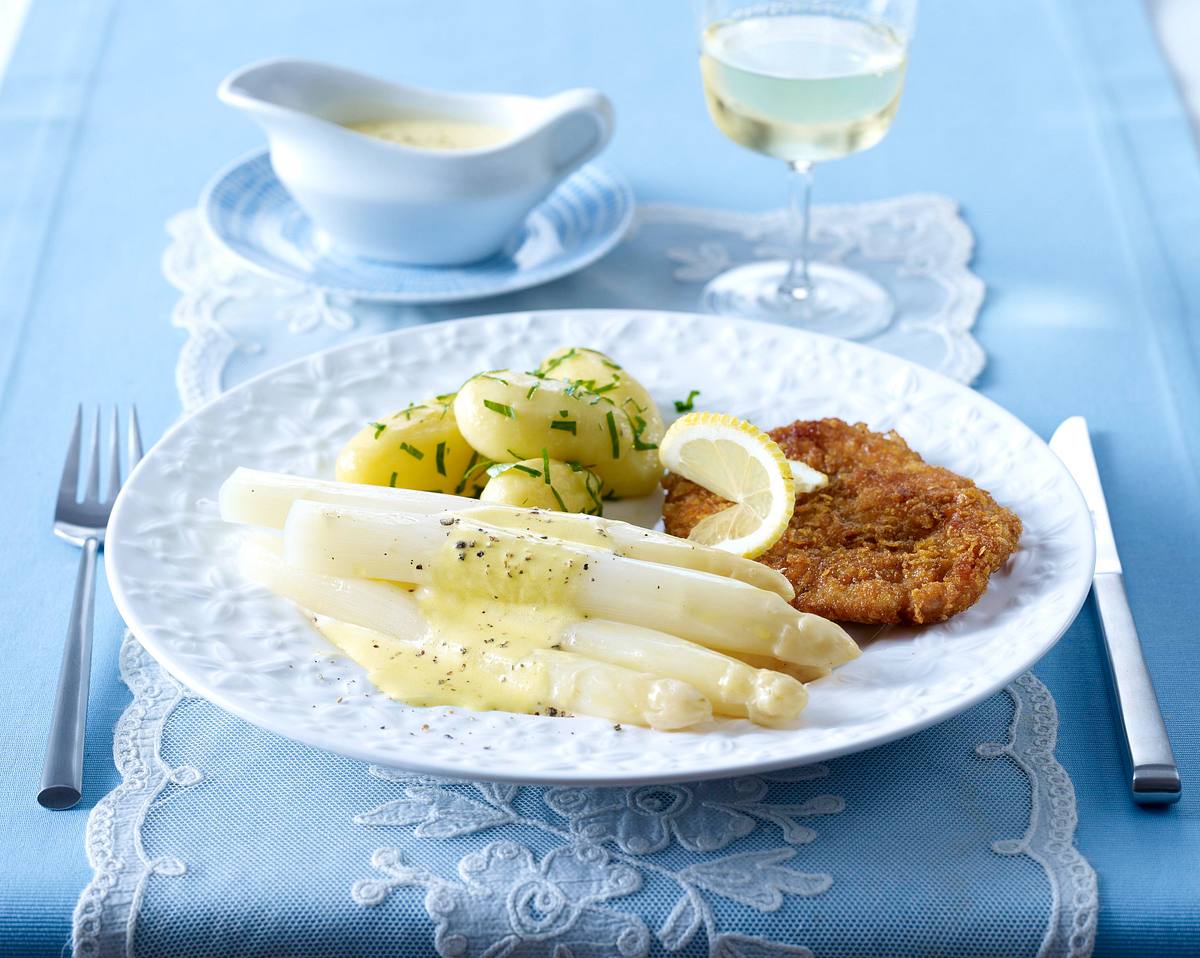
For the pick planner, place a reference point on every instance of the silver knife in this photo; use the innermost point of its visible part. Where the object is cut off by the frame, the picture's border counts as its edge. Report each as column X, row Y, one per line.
column 1154, row 775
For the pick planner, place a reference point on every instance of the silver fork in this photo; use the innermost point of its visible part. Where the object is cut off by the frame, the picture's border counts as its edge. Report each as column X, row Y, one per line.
column 81, row 523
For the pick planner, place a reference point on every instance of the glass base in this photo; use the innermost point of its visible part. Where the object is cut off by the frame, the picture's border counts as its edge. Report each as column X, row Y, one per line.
column 840, row 302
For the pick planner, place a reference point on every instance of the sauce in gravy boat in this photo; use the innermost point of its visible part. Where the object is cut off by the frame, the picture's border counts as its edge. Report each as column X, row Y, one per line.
column 416, row 176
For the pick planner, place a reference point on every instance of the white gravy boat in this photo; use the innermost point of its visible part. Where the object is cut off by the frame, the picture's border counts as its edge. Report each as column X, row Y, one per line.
column 384, row 200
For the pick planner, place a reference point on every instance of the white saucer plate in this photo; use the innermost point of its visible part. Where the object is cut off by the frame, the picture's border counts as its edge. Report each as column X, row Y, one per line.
column 247, row 210
column 171, row 561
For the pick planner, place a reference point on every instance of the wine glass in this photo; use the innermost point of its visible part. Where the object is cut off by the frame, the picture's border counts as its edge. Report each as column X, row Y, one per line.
column 804, row 81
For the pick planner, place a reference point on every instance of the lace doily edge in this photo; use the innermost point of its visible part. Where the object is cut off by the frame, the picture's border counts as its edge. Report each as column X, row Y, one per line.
column 106, row 914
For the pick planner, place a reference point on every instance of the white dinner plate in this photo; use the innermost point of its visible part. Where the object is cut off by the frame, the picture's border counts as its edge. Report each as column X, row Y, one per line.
column 171, row 561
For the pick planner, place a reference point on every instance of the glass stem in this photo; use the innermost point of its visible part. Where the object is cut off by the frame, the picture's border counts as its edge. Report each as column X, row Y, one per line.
column 797, row 285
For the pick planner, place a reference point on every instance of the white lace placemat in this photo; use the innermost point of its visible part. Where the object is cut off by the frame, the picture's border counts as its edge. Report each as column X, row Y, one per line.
column 223, row 838
column 240, row 322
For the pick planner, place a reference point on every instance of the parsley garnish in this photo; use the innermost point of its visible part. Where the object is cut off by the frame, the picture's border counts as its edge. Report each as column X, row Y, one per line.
column 412, row 451
column 500, row 408
column 613, row 435
column 379, row 427
column 441, row 458
column 687, row 405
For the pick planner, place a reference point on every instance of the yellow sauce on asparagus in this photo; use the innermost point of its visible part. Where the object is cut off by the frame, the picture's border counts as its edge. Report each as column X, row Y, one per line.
column 492, row 605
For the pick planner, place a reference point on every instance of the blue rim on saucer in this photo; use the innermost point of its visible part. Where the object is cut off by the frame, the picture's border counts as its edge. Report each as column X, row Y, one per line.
column 247, row 210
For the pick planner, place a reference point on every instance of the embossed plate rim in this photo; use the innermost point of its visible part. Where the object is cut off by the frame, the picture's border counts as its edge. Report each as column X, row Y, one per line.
column 729, row 744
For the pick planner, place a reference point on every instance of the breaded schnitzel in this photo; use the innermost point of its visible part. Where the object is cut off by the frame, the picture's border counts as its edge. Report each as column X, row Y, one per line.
column 890, row 540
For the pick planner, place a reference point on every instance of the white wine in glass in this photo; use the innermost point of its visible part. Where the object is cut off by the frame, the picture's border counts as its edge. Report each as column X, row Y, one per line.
column 804, row 82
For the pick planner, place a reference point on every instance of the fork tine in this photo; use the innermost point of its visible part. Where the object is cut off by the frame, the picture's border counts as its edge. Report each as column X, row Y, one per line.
column 135, row 441
column 92, row 492
column 69, row 485
column 114, row 457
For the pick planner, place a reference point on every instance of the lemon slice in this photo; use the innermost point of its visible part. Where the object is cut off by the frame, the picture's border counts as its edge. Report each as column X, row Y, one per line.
column 807, row 478
column 738, row 462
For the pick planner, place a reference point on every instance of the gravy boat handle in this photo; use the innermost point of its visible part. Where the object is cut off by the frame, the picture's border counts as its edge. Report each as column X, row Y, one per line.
column 578, row 126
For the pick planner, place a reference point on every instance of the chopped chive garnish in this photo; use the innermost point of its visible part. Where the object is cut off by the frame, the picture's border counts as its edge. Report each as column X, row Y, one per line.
column 493, row 378
column 564, row 413
column 686, row 405
column 608, row 388
column 532, row 390
column 392, row 481
column 528, row 470
column 569, row 425
column 445, row 397
column 408, row 410
column 516, row 455
column 546, row 465
column 441, row 458
column 500, row 408
column 638, row 425
column 591, row 482
column 467, row 473
column 559, row 499
column 630, row 399
column 608, row 362
column 613, row 436
column 575, row 465
column 611, row 496
column 557, row 361
column 412, row 451
column 379, row 428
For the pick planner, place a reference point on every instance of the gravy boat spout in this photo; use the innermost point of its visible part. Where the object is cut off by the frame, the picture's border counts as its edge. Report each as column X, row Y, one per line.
column 404, row 201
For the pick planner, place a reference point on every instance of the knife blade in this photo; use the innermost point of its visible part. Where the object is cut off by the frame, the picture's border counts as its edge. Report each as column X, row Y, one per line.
column 1154, row 777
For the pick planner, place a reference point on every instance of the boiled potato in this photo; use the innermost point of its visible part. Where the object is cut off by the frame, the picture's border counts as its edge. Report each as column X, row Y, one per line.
column 590, row 366
column 512, row 416
column 419, row 447
column 570, row 489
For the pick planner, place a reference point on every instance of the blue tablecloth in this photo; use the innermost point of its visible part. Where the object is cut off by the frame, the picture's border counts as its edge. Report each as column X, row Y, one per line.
column 1054, row 123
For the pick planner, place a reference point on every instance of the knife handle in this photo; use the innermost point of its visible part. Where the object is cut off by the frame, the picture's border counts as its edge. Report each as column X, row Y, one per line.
column 1154, row 776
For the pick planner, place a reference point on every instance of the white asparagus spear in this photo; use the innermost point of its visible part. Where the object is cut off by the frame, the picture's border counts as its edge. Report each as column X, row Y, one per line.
column 716, row 612
column 764, row 696
column 802, row 673
column 573, row 683
column 734, row 688
column 264, row 498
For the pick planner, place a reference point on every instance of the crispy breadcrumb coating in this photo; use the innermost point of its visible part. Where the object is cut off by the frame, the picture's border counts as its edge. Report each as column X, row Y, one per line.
column 890, row 540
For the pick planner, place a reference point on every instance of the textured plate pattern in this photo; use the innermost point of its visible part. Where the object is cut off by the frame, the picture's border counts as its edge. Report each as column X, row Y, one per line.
column 248, row 210
column 170, row 559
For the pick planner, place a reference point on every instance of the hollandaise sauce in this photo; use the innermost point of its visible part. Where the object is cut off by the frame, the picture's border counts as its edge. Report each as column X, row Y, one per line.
column 495, row 605
column 425, row 133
